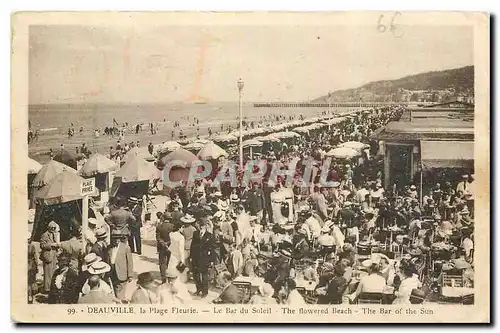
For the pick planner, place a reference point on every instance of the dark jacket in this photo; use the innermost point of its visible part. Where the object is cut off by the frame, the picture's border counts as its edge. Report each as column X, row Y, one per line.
column 68, row 293
column 163, row 231
column 202, row 250
column 255, row 201
column 120, row 219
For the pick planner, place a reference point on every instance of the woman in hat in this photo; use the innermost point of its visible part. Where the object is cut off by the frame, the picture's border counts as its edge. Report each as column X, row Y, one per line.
column 410, row 281
column 144, row 293
column 291, row 294
column 177, row 251
column 174, row 292
column 371, row 283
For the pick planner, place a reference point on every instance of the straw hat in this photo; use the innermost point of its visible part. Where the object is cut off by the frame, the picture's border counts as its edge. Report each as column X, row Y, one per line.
column 223, row 206
column 90, row 259
column 102, row 233
column 98, row 267
column 188, row 219
column 234, row 198
column 347, row 204
column 325, row 229
column 218, row 214
column 285, row 253
column 218, row 194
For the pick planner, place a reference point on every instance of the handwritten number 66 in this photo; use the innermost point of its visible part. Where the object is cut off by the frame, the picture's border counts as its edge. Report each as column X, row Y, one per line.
column 382, row 28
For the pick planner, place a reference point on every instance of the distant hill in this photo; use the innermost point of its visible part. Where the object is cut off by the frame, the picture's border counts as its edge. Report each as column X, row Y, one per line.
column 461, row 80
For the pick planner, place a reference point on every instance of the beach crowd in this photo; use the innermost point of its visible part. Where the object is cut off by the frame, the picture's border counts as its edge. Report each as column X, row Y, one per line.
column 276, row 242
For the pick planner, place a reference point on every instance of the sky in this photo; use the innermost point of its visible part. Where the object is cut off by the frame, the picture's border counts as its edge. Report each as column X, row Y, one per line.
column 161, row 64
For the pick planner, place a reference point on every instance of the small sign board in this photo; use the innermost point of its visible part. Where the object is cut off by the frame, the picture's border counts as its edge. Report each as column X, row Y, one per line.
column 87, row 187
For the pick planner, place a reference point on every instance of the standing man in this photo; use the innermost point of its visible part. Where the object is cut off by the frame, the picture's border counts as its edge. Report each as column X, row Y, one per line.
column 188, row 230
column 48, row 255
column 255, row 201
column 163, row 231
column 122, row 266
column 202, row 256
column 120, row 218
column 135, row 224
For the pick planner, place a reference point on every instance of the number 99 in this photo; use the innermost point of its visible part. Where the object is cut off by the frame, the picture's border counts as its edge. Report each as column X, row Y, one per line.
column 71, row 311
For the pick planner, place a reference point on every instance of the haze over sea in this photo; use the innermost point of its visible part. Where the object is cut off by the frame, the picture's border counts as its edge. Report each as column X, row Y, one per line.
column 53, row 121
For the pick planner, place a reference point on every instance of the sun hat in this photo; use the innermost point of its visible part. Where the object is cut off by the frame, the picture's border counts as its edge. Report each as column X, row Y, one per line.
column 218, row 194
column 98, row 267
column 102, row 233
column 188, row 218
column 90, row 259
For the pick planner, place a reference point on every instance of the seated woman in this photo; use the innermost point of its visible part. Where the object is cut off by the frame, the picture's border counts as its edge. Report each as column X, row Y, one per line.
column 293, row 297
column 265, row 295
column 230, row 293
column 409, row 282
column 332, row 292
column 372, row 283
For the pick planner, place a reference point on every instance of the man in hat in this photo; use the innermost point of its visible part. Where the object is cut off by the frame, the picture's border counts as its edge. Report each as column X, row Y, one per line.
column 225, row 235
column 100, row 248
column 94, row 266
column 64, row 284
column 202, row 256
column 120, row 219
column 122, row 266
column 135, row 224
column 301, row 248
column 230, row 293
column 96, row 295
column 48, row 254
column 163, row 231
column 144, row 293
column 255, row 201
column 74, row 246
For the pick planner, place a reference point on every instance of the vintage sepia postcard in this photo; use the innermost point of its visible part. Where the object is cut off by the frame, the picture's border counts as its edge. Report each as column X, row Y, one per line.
column 265, row 167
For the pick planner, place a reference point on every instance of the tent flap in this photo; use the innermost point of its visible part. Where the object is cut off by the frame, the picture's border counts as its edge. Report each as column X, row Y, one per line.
column 447, row 154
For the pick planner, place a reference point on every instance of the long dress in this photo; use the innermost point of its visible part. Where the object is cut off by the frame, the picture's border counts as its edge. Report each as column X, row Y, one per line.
column 177, row 253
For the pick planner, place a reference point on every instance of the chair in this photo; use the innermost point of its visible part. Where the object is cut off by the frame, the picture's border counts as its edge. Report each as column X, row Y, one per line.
column 468, row 300
column 245, row 288
column 453, row 279
column 370, row 298
column 311, row 299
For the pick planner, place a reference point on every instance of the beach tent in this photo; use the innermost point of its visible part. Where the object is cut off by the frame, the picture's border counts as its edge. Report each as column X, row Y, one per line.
column 67, row 157
column 133, row 179
column 252, row 143
column 166, row 147
column 98, row 166
column 141, row 152
column 180, row 155
column 211, row 152
column 180, row 162
column 195, row 146
column 225, row 138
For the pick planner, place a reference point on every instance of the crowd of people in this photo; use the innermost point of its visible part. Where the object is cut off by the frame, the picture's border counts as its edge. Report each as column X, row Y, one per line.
column 277, row 242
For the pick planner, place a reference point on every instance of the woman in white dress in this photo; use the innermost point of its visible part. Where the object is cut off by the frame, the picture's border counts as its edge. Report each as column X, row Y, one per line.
column 177, row 254
column 410, row 282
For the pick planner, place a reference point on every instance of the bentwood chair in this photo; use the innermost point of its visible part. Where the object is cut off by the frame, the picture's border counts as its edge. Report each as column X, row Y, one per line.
column 370, row 298
column 245, row 288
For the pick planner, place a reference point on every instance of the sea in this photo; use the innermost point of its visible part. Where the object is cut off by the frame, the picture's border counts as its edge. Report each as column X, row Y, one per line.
column 53, row 121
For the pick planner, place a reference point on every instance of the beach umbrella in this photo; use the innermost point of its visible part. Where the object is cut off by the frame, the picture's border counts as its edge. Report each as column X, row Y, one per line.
column 195, row 146
column 225, row 138
column 354, row 145
column 182, row 155
column 169, row 146
column 302, row 129
column 65, row 156
column 343, row 152
column 286, row 135
column 48, row 172
column 33, row 166
column 135, row 169
column 62, row 188
column 141, row 152
column 211, row 152
column 252, row 143
column 268, row 138
column 97, row 163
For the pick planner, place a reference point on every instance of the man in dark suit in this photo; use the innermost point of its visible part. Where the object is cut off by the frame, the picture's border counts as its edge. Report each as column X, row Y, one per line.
column 135, row 224
column 122, row 266
column 255, row 201
column 202, row 256
column 48, row 254
column 163, row 231
column 64, row 284
column 121, row 218
column 100, row 248
column 301, row 248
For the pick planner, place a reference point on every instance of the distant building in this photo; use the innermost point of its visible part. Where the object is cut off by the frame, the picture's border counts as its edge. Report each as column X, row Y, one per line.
column 428, row 145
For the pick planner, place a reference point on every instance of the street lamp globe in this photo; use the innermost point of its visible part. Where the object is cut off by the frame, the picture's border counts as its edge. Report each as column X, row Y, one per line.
column 240, row 84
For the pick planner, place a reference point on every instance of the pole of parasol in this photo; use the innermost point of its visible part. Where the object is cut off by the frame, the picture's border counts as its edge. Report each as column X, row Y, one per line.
column 240, row 85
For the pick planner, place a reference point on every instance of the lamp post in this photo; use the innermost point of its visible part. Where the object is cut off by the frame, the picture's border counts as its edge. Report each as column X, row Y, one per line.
column 240, row 85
